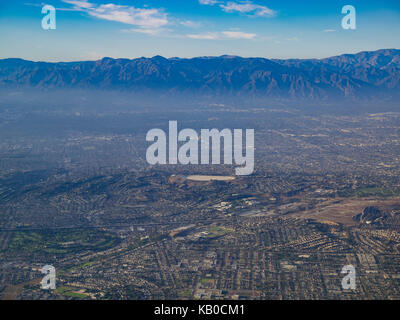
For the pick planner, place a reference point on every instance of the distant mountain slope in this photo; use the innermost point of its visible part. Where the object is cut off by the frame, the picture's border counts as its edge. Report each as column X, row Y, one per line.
column 366, row 74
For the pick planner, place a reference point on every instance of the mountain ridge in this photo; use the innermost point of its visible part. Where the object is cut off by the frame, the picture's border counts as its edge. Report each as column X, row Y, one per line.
column 363, row 75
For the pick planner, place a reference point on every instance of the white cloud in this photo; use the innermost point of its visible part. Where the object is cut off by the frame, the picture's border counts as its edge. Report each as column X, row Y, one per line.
column 146, row 20
column 152, row 21
column 329, row 30
column 238, row 35
column 248, row 8
column 190, row 24
column 148, row 31
column 203, row 36
column 208, row 2
column 80, row 5
column 222, row 35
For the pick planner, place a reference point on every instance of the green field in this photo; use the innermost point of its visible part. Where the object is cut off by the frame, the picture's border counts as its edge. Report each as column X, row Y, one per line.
column 59, row 242
column 216, row 231
column 69, row 292
column 369, row 192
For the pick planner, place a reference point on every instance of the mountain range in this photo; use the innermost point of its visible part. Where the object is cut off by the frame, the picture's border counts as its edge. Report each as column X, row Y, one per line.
column 374, row 74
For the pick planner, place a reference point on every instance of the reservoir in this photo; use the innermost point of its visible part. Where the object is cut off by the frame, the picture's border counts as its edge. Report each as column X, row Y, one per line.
column 202, row 178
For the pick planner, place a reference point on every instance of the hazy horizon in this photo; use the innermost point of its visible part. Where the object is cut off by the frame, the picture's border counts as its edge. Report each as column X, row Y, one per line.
column 197, row 57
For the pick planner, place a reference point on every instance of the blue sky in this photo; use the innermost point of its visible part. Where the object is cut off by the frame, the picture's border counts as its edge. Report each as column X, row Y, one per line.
column 91, row 29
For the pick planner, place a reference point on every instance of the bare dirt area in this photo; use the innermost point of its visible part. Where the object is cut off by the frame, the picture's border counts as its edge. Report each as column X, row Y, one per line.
column 12, row 292
column 343, row 210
